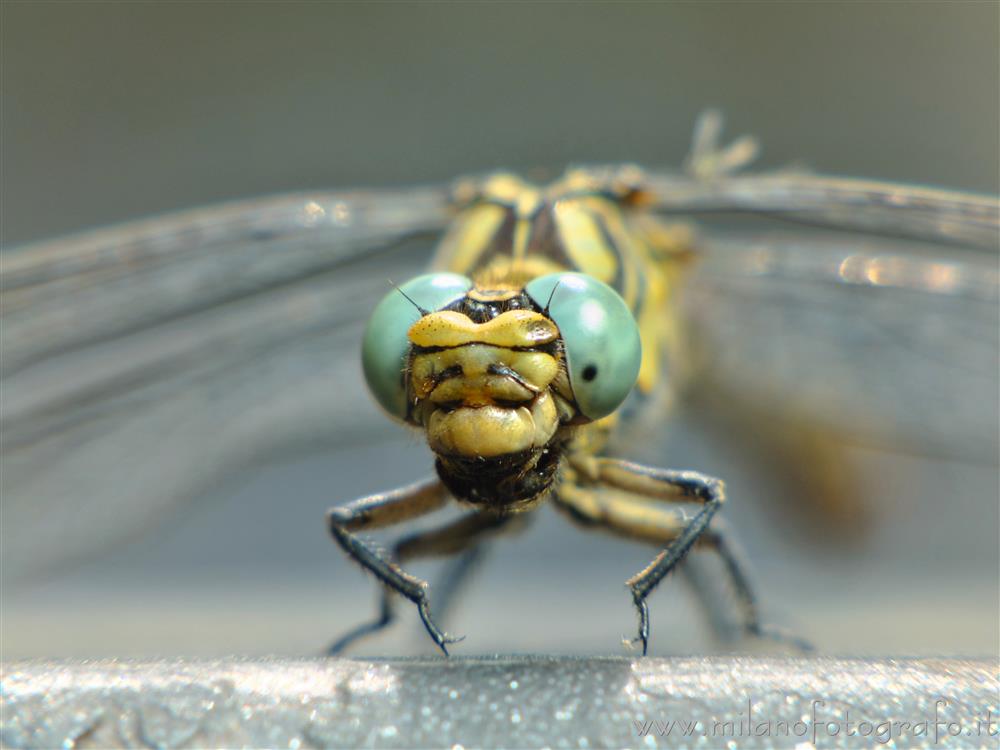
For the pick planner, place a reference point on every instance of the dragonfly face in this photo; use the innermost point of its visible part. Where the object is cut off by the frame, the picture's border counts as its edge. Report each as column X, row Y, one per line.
column 497, row 385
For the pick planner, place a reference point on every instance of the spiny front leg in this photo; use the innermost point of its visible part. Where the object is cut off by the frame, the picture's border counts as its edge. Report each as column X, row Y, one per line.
column 646, row 580
column 463, row 535
column 383, row 510
column 459, row 536
column 656, row 484
column 630, row 517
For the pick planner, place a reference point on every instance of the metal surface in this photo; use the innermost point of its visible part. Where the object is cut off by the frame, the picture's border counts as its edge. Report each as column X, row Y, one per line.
column 503, row 702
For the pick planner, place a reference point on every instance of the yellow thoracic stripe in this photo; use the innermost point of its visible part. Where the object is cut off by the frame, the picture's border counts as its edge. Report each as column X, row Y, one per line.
column 509, row 231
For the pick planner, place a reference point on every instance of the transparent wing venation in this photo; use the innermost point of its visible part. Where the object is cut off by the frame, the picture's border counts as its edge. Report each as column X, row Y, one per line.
column 840, row 202
column 83, row 290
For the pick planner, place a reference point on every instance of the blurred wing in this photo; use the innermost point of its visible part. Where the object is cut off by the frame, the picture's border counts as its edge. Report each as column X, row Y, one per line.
column 811, row 342
column 890, row 342
column 926, row 214
column 143, row 363
column 883, row 342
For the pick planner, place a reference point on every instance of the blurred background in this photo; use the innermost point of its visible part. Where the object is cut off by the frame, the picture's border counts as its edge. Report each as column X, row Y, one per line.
column 116, row 111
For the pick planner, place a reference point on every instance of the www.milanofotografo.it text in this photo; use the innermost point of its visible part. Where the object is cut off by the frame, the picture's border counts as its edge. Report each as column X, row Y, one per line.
column 820, row 724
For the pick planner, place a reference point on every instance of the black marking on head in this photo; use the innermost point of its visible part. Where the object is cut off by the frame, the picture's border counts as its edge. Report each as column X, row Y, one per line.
column 455, row 371
column 590, row 372
column 507, row 372
column 482, row 311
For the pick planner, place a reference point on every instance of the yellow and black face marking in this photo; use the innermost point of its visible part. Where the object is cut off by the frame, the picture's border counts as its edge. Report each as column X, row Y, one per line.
column 484, row 383
column 548, row 306
column 498, row 378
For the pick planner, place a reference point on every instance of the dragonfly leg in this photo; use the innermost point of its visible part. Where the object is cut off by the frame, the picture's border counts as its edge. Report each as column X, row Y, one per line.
column 377, row 511
column 455, row 575
column 461, row 535
column 466, row 537
column 720, row 540
column 638, row 520
column 387, row 613
column 628, row 516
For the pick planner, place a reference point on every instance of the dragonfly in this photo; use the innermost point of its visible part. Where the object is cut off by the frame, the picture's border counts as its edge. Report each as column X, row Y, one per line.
column 144, row 364
column 515, row 362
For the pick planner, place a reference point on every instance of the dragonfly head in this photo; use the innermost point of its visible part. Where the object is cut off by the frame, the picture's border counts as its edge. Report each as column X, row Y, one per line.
column 499, row 378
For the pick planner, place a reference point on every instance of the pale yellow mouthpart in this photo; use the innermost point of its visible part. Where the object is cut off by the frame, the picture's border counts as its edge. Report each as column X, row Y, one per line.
column 489, row 431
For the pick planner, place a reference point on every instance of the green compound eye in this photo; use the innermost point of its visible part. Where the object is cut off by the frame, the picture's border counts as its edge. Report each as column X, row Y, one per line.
column 385, row 345
column 603, row 350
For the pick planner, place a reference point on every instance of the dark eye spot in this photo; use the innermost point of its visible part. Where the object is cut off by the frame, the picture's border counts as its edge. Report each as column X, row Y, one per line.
column 589, row 372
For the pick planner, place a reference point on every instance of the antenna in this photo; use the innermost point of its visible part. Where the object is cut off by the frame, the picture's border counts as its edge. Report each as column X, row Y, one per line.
column 409, row 298
column 551, row 295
